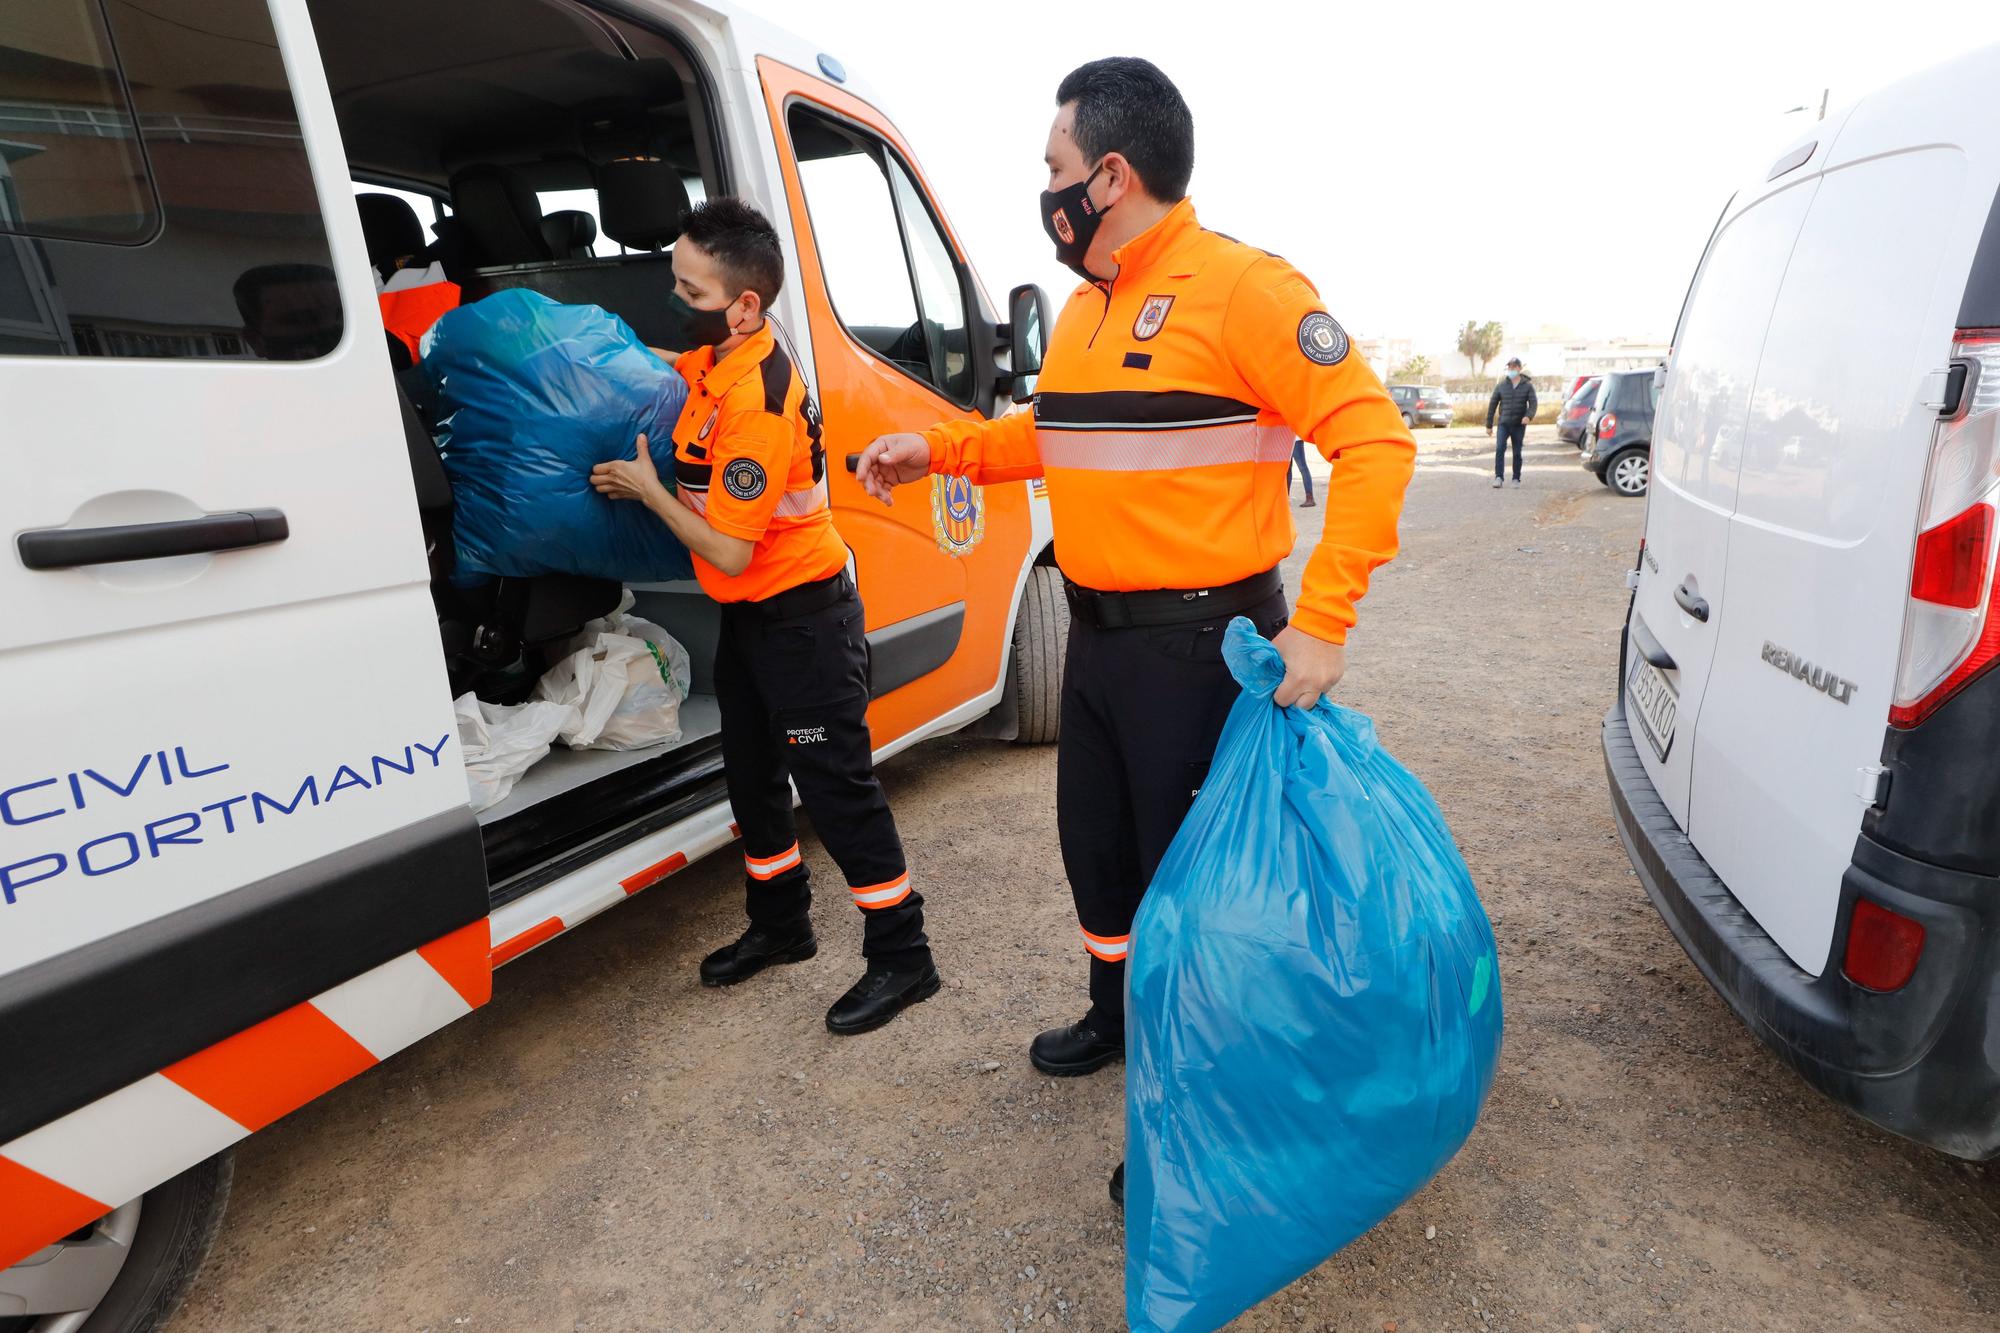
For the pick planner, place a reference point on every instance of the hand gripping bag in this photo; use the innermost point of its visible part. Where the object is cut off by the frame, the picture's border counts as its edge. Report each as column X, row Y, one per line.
column 1312, row 1010
column 532, row 395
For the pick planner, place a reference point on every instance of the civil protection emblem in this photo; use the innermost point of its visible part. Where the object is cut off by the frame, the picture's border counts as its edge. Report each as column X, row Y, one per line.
column 1063, row 229
column 1152, row 317
column 958, row 514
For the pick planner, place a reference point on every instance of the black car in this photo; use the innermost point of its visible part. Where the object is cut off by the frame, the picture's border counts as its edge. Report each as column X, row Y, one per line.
column 1422, row 404
column 1573, row 422
column 1618, row 443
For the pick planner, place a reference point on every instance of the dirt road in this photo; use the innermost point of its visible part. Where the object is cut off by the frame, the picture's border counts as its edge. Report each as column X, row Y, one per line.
column 607, row 1146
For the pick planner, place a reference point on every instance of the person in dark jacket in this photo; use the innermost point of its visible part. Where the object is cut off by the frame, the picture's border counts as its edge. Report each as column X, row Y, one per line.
column 1513, row 402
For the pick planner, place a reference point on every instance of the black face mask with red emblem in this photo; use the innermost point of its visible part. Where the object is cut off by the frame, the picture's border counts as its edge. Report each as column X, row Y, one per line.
column 1071, row 221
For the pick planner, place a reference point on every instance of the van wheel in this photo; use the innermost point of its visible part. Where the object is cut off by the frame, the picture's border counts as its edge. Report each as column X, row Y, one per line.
column 1628, row 472
column 1041, row 632
column 128, row 1271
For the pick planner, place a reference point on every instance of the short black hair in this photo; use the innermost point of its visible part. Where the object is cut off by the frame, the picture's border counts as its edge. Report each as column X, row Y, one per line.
column 1127, row 105
column 743, row 243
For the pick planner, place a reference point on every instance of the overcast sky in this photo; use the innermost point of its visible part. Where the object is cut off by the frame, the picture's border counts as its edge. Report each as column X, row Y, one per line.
column 1424, row 165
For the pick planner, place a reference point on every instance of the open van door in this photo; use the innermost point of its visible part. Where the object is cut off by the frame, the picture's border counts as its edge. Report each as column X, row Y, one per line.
column 231, row 780
column 1698, row 440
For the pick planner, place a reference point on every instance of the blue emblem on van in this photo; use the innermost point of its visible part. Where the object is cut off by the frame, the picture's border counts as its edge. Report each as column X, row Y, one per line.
column 832, row 68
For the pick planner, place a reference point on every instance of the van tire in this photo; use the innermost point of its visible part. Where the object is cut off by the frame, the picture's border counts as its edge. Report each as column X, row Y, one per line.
column 1041, row 633
column 178, row 1222
column 1628, row 472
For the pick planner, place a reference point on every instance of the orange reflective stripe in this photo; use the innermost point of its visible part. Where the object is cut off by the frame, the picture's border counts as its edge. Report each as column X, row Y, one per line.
column 277, row 1066
column 1111, row 948
column 1106, row 449
column 874, row 897
column 770, row 867
column 38, row 1209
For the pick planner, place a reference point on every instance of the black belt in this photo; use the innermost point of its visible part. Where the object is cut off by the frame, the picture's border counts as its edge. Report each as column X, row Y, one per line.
column 1171, row 606
column 804, row 599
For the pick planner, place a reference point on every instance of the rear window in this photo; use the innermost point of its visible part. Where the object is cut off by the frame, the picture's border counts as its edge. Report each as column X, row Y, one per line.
column 153, row 152
column 1402, row 393
column 1586, row 394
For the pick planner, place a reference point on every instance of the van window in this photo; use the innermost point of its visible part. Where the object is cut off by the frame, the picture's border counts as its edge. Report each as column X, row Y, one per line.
column 895, row 282
column 187, row 149
column 70, row 163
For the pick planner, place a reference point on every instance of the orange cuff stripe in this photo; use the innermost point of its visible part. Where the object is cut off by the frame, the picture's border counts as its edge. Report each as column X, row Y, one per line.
column 874, row 897
column 770, row 867
column 1111, row 948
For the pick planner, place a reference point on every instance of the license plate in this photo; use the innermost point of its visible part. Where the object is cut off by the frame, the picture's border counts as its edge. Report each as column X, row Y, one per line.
column 1654, row 703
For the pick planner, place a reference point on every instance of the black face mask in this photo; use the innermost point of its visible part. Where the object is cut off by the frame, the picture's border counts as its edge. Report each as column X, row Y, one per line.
column 705, row 328
column 1071, row 221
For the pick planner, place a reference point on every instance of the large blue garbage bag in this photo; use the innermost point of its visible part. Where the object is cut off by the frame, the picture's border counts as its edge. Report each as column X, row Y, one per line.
column 1312, row 1010
column 532, row 395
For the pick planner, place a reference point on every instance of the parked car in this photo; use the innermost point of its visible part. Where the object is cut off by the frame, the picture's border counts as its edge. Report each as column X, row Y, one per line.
column 1618, row 433
column 290, row 883
column 1422, row 404
column 1804, row 754
column 1573, row 422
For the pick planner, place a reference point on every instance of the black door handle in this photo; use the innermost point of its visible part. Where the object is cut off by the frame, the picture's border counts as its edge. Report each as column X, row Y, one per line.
column 1692, row 602
column 66, row 548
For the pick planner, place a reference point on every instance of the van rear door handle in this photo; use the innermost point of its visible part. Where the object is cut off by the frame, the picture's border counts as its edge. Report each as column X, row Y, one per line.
column 1692, row 602
column 67, row 548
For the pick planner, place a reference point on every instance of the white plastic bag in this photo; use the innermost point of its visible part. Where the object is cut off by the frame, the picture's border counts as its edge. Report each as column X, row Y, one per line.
column 624, row 680
column 501, row 742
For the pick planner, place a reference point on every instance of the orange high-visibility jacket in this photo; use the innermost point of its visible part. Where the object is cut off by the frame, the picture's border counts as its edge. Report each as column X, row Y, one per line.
column 1164, row 419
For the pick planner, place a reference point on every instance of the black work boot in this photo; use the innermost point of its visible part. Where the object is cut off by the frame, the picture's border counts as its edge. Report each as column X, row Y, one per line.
column 760, row 947
column 883, row 992
column 1118, row 1185
column 1079, row 1048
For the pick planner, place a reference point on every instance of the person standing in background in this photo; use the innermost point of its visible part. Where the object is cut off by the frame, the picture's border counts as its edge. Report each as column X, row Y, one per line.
column 1513, row 402
column 1299, row 466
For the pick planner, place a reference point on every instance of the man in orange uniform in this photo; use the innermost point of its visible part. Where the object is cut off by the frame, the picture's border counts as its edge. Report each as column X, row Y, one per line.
column 1176, row 378
column 791, row 664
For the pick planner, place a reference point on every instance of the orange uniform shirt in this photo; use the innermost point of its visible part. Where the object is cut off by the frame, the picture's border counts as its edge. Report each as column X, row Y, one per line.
column 1164, row 418
column 747, row 457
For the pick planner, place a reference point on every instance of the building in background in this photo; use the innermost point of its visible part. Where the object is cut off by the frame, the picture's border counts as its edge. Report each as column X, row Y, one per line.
column 1385, row 354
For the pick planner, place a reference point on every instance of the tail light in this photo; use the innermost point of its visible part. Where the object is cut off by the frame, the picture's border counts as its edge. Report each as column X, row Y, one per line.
column 1950, row 634
column 1882, row 947
column 1607, row 425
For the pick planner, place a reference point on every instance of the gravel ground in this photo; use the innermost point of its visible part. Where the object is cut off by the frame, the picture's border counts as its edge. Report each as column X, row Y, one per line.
column 608, row 1146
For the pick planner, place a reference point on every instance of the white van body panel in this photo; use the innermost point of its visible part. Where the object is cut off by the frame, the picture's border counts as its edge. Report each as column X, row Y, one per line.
column 1698, row 436
column 1821, row 540
column 124, row 688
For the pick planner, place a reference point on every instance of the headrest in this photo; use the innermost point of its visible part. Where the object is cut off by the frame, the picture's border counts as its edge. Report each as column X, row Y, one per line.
column 640, row 202
column 570, row 233
column 391, row 227
column 498, row 216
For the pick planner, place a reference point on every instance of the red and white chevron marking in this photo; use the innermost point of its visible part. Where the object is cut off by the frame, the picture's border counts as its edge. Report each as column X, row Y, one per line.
column 72, row 1171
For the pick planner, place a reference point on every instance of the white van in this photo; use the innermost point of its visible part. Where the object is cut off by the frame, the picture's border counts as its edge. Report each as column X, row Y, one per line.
column 1805, row 755
column 238, row 863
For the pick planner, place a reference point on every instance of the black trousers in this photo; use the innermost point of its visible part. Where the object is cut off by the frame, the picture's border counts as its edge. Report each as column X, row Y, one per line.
column 1142, row 709
column 793, row 691
column 1518, row 433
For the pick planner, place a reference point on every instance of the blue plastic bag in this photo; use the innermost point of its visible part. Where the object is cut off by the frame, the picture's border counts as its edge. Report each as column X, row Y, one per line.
column 1312, row 1010
column 532, row 395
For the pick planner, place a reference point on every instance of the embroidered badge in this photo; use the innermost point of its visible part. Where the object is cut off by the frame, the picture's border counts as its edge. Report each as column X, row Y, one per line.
column 1322, row 339
column 1152, row 317
column 958, row 514
column 744, row 478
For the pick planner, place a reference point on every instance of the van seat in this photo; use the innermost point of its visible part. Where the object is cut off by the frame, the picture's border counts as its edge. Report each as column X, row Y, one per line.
column 642, row 201
column 499, row 218
column 570, row 233
column 391, row 229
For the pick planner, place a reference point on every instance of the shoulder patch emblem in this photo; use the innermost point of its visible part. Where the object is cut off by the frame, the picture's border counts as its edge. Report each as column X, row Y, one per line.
column 744, row 478
column 1152, row 317
column 1322, row 339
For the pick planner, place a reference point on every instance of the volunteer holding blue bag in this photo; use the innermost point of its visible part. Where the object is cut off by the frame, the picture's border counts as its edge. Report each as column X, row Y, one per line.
column 791, row 659
column 1177, row 377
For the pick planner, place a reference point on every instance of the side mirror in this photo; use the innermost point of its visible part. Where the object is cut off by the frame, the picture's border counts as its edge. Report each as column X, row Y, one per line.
column 1027, row 335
